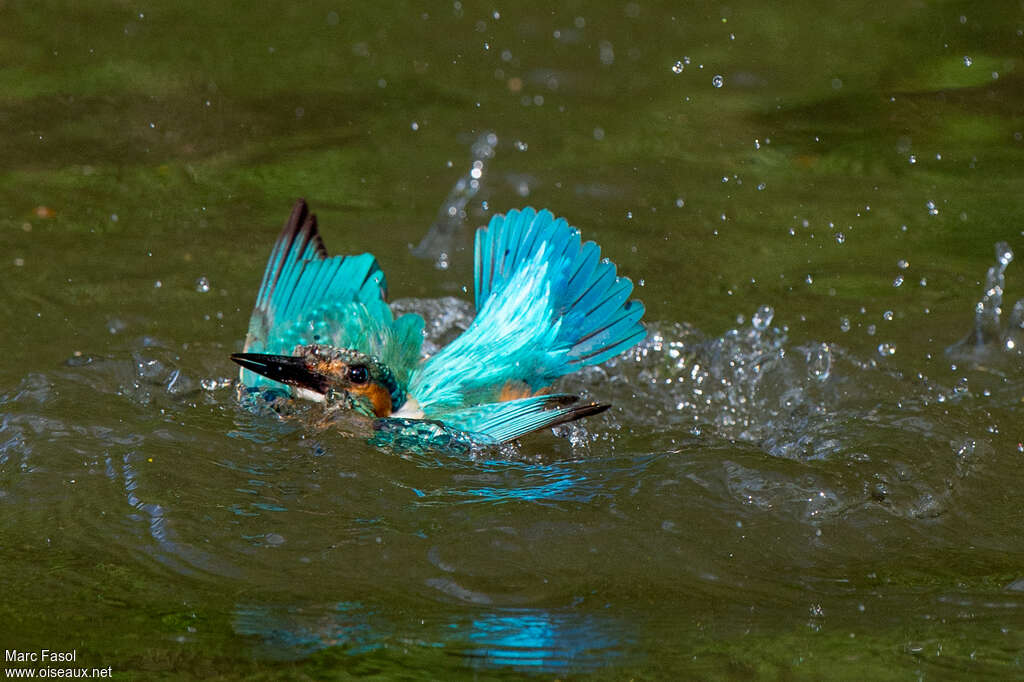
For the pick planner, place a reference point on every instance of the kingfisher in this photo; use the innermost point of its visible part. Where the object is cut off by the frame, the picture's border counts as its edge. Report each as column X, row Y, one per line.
column 547, row 304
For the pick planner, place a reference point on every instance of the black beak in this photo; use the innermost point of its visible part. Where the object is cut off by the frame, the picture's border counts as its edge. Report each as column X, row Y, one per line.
column 284, row 368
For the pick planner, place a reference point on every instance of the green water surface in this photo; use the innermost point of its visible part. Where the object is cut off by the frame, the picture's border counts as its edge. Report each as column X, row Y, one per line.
column 825, row 494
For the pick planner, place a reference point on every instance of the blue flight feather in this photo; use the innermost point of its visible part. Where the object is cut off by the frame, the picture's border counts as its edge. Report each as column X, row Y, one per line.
column 307, row 297
column 495, row 423
column 546, row 306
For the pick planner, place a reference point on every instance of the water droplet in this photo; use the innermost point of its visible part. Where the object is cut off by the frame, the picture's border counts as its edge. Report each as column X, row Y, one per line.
column 761, row 186
column 932, row 208
column 968, row 61
column 718, row 81
column 157, row 284
column 870, row 330
column 961, row 386
column 809, row 279
column 819, row 362
column 629, row 215
column 202, row 285
column 912, row 159
column 887, row 316
column 520, row 145
column 1004, row 254
column 844, row 324
column 414, row 125
column 902, row 264
column 898, row 282
column 886, row 349
column 762, row 318
column 840, row 237
column 924, row 281
column 680, row 202
column 678, row 67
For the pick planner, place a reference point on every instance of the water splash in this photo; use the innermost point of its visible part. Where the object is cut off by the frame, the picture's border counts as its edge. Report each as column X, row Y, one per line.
column 445, row 318
column 762, row 318
column 440, row 239
column 988, row 333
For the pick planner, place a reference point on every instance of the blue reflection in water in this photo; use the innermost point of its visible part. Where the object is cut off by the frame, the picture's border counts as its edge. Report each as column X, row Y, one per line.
column 504, row 482
column 544, row 640
column 166, row 548
column 541, row 483
column 294, row 632
column 538, row 640
column 500, row 482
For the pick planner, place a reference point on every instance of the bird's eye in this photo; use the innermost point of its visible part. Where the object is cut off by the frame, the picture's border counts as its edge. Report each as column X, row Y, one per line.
column 358, row 374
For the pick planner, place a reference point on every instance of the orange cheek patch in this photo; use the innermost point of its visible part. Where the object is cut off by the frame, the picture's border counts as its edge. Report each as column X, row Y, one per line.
column 379, row 398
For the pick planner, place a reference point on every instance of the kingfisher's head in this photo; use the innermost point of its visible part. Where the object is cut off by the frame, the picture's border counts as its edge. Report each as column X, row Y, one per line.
column 341, row 377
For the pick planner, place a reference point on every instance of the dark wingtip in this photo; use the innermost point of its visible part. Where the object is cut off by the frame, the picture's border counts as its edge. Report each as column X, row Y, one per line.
column 577, row 412
column 302, row 222
column 299, row 211
column 565, row 399
column 588, row 410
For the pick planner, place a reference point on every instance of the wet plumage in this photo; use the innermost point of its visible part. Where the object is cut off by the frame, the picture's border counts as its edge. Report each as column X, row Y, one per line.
column 547, row 304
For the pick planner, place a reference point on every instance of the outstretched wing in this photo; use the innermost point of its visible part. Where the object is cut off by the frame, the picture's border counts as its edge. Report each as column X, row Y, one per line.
column 308, row 297
column 490, row 424
column 547, row 305
column 496, row 423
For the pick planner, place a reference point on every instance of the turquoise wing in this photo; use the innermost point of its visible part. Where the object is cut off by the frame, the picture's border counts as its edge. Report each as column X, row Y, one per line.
column 490, row 424
column 547, row 305
column 496, row 423
column 308, row 297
